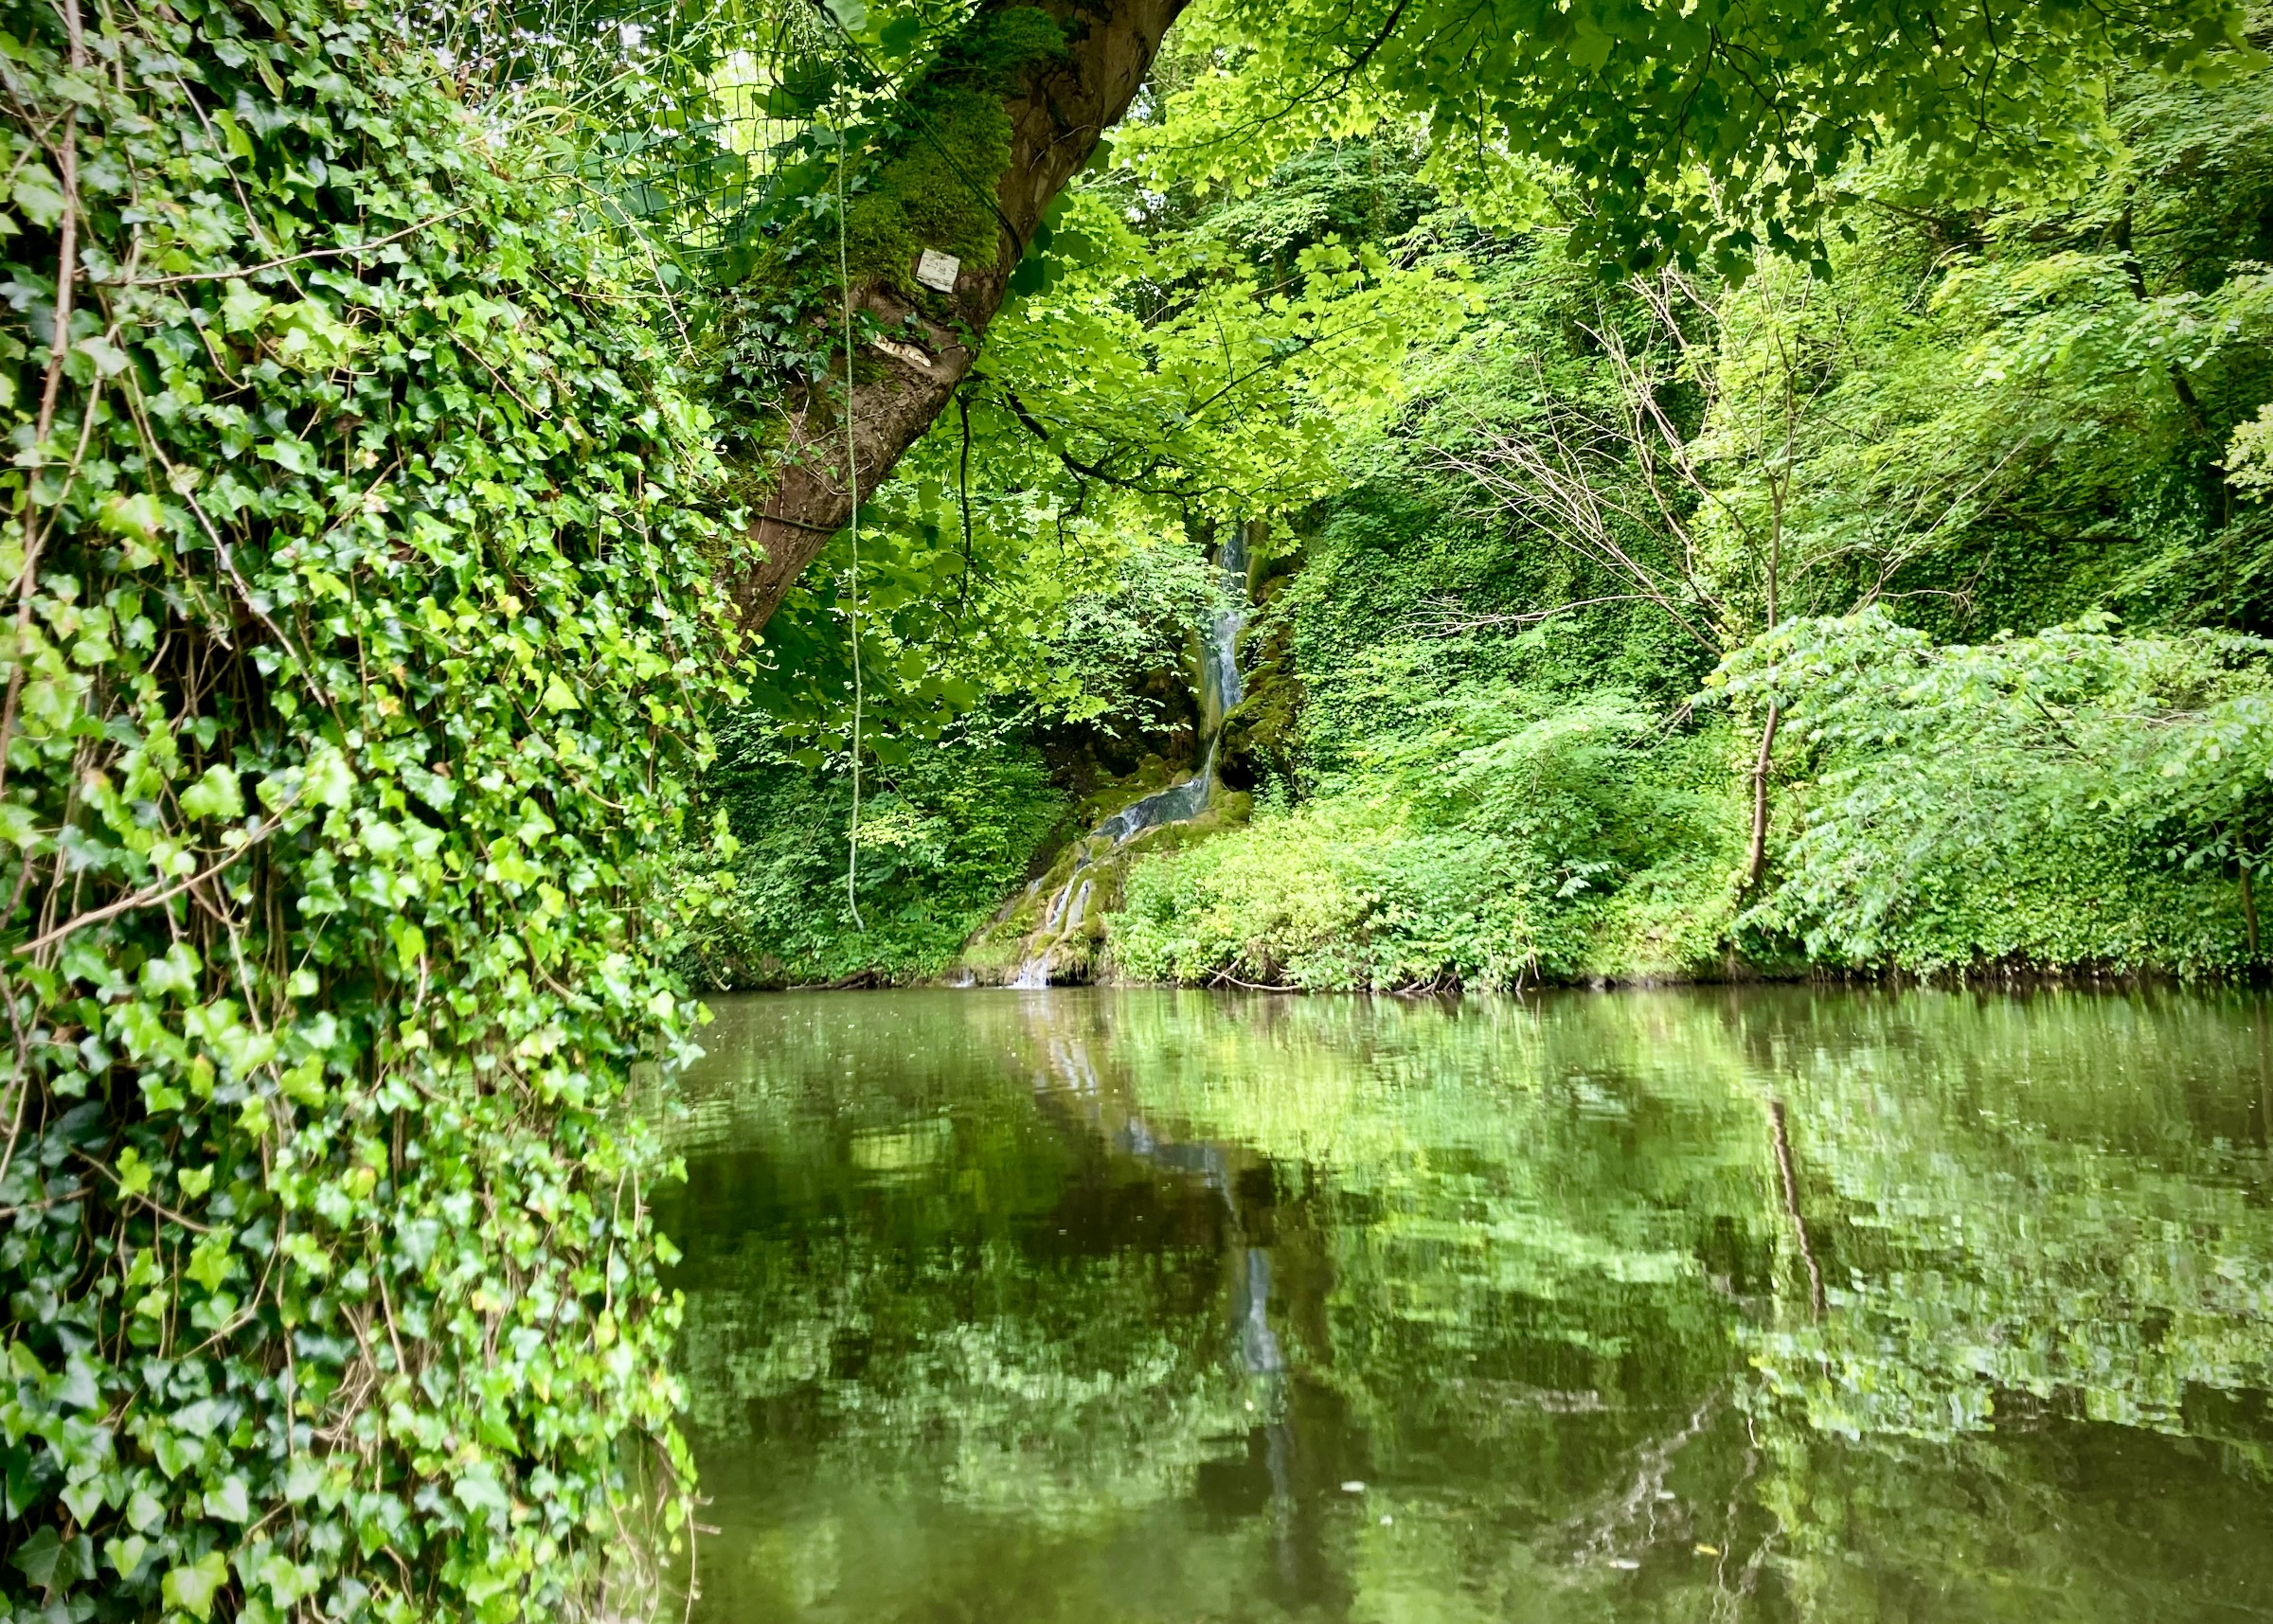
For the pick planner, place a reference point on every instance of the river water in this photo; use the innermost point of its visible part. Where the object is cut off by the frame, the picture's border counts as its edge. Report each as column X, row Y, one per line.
column 1138, row 1306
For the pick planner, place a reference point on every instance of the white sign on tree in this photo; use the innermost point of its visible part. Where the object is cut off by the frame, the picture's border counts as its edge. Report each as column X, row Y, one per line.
column 937, row 271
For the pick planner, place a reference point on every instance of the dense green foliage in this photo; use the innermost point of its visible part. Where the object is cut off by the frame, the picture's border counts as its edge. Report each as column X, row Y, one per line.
column 1514, row 516
column 2074, row 798
column 1690, row 134
column 943, row 835
column 359, row 608
column 1483, row 836
column 1535, row 642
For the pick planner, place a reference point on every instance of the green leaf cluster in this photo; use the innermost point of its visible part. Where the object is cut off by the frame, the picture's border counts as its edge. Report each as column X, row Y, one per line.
column 356, row 547
column 2077, row 763
column 943, row 832
column 1698, row 134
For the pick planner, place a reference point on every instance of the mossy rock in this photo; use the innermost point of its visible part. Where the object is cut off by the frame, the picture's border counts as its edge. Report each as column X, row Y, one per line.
column 1152, row 775
column 1258, row 745
column 1080, row 953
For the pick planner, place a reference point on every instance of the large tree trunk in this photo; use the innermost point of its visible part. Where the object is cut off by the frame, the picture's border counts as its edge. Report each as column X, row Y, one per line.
column 1057, row 114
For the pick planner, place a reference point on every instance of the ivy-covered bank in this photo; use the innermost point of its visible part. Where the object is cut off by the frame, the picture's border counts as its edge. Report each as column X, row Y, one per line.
column 355, row 595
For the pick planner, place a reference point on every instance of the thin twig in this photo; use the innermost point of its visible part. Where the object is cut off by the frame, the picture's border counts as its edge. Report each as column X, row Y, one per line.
column 242, row 271
column 158, row 1207
column 146, row 899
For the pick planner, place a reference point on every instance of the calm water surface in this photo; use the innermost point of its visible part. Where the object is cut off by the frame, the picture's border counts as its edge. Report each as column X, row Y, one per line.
column 1142, row 1306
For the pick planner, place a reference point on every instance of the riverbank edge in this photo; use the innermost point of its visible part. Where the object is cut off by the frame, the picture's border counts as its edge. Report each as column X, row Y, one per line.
column 1996, row 977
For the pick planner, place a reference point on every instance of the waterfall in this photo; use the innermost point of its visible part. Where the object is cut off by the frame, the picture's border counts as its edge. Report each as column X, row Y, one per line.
column 1221, row 691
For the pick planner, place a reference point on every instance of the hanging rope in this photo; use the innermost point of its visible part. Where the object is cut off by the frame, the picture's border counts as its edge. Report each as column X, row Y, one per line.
column 844, row 283
column 962, row 593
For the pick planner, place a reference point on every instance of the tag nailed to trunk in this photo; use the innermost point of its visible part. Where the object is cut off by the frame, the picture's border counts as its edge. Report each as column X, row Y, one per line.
column 937, row 271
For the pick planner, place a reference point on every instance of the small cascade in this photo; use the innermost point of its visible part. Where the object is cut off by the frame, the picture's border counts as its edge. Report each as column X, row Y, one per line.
column 1221, row 691
column 1220, row 686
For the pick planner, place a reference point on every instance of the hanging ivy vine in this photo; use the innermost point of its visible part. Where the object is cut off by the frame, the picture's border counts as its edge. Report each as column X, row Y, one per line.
column 355, row 558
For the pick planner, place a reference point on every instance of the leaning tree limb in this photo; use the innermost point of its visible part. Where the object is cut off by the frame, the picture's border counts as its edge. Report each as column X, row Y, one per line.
column 1059, row 109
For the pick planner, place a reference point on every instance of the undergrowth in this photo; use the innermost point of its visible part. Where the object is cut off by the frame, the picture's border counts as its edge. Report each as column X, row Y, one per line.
column 358, row 617
column 1486, row 838
column 943, row 835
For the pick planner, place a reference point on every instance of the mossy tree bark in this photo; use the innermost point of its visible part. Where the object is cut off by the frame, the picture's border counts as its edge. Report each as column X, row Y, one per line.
column 1058, row 109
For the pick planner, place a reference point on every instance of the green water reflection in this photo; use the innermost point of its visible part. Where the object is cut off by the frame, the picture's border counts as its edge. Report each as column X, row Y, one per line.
column 1145, row 1305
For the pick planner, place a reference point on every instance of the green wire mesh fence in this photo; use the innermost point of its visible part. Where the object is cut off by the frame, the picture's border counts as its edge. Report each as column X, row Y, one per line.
column 690, row 123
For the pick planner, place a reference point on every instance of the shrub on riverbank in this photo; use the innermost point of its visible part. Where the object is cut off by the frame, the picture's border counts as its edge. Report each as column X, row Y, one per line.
column 2078, row 797
column 357, row 605
column 1482, row 837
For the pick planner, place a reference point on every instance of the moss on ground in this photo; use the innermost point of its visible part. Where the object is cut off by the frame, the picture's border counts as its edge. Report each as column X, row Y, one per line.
column 1082, row 951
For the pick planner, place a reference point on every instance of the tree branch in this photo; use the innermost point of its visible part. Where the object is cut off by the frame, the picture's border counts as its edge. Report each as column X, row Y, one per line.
column 1058, row 112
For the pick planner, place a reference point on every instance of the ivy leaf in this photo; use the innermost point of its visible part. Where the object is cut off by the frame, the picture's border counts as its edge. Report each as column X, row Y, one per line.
column 85, row 1499
column 216, row 794
column 126, row 1552
column 20, row 1481
column 303, row 1085
column 137, row 517
column 52, row 1562
column 291, row 456
column 229, row 1503
column 36, row 1557
column 331, row 780
column 78, row 1387
column 108, row 357
column 192, row 1588
column 209, row 1262
column 242, row 309
column 479, row 1490
column 39, row 196
column 134, row 1173
column 172, row 1455
column 419, row 1237
column 174, row 970
column 240, row 143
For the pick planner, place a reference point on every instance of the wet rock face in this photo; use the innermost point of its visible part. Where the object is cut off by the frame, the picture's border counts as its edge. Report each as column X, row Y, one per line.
column 1087, row 758
column 1258, row 742
column 1057, row 926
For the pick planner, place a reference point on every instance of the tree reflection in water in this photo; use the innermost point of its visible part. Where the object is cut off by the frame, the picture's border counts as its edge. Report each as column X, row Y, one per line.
column 1097, row 1306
